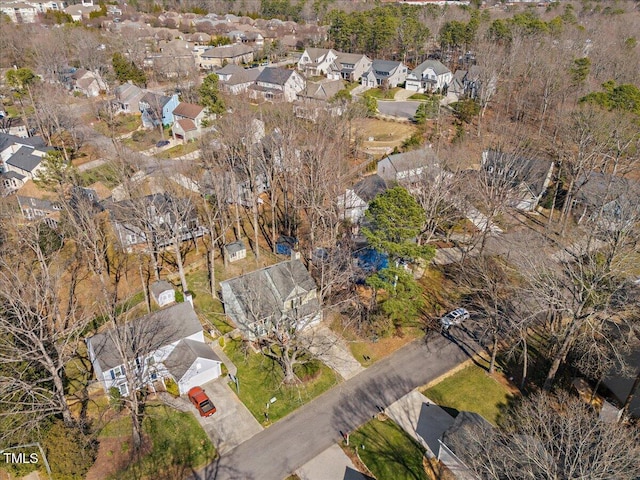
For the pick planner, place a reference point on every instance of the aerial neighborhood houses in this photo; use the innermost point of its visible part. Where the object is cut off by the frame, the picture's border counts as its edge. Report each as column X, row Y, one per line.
column 21, row 160
column 27, row 11
column 429, row 76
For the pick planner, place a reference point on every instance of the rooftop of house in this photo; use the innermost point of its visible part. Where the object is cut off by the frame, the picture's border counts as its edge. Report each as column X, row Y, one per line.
column 274, row 75
column 369, row 187
column 31, row 190
column 185, row 353
column 152, row 331
column 128, row 91
column 317, row 53
column 247, row 75
column 385, row 65
column 7, row 140
column 596, row 188
column 465, row 427
column 263, row 292
column 438, row 67
column 26, row 159
column 186, row 125
column 532, row 171
column 350, row 58
column 229, row 69
column 321, row 90
column 155, row 100
column 403, row 162
column 188, row 110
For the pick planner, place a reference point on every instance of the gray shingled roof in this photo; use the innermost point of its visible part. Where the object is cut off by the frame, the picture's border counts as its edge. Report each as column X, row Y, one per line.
column 248, row 75
column 276, row 76
column 6, row 140
column 438, row 67
column 384, row 65
column 185, row 354
column 403, row 162
column 369, row 187
column 24, row 159
column 350, row 58
column 235, row 247
column 153, row 331
column 227, row 51
column 529, row 170
column 155, row 100
column 160, row 286
column 263, row 292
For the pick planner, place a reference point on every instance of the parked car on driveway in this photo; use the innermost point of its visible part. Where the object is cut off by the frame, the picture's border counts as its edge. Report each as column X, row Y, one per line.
column 162, row 143
column 201, row 401
column 455, row 317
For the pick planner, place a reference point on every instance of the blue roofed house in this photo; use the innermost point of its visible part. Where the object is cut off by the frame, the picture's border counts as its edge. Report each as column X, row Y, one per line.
column 168, row 343
column 385, row 73
column 157, row 108
column 429, row 76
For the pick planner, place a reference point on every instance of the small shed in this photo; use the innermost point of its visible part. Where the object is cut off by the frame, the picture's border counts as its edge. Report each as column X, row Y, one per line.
column 285, row 245
column 235, row 251
column 163, row 293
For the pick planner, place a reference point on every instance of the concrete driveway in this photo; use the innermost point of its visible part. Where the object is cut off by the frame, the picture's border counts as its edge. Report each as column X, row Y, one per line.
column 332, row 351
column 232, row 423
column 332, row 464
column 398, row 109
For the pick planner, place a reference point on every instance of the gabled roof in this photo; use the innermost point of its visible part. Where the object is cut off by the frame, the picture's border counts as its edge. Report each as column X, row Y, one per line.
column 229, row 69
column 24, row 159
column 385, row 65
column 188, row 110
column 6, row 140
column 185, row 354
column 369, row 187
column 186, row 125
column 438, row 67
column 350, row 58
column 404, row 162
column 531, row 171
column 321, row 90
column 155, row 100
column 464, row 429
column 152, row 332
column 248, row 75
column 235, row 247
column 274, row 75
column 315, row 54
column 128, row 91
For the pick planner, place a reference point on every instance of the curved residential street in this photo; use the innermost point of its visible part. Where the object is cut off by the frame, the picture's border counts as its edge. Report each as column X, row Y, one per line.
column 277, row 451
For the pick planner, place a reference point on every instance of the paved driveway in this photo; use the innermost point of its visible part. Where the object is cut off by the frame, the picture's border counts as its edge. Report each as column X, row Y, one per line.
column 232, row 423
column 333, row 352
column 332, row 464
column 398, row 109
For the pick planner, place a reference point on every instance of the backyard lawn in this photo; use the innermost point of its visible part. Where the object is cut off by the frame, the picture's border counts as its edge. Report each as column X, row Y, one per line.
column 261, row 380
column 179, row 150
column 472, row 389
column 177, row 446
column 388, row 452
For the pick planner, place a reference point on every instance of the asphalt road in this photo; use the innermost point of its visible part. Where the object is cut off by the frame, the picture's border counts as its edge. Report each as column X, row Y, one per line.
column 279, row 450
column 398, row 109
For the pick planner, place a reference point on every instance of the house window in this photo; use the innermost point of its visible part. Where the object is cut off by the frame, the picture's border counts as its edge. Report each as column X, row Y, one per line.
column 124, row 390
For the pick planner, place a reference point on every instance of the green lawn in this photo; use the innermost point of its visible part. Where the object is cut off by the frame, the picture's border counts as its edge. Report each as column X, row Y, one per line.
column 388, row 451
column 261, row 380
column 122, row 124
column 471, row 389
column 178, row 444
column 381, row 94
column 105, row 173
column 178, row 150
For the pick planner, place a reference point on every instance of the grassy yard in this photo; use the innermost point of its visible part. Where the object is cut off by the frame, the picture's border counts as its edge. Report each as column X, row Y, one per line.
column 388, row 452
column 378, row 93
column 178, row 150
column 205, row 303
column 144, row 139
column 105, row 173
column 261, row 380
column 123, row 124
column 177, row 444
column 471, row 389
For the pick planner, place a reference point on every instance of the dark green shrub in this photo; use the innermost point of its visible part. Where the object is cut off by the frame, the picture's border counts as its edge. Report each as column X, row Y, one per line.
column 69, row 452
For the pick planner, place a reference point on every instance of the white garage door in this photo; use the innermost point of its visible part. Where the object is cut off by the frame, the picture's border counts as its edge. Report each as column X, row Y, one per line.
column 203, row 377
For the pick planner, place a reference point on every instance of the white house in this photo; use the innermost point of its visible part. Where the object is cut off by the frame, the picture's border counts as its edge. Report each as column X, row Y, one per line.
column 163, row 293
column 429, row 76
column 266, row 299
column 349, row 66
column 168, row 343
column 188, row 121
column 387, row 73
column 277, row 84
column 316, row 61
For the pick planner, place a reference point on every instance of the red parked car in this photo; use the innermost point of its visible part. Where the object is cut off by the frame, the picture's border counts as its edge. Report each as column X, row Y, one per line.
column 201, row 401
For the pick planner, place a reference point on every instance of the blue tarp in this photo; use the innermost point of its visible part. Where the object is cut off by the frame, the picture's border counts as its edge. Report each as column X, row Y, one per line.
column 371, row 260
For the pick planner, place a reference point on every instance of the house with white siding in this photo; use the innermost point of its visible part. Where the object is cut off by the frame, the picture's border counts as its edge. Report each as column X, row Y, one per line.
column 168, row 343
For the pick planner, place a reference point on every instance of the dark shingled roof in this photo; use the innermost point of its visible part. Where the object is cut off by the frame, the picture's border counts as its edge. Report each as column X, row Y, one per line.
column 6, row 140
column 153, row 331
column 276, row 76
column 369, row 187
column 24, row 159
column 185, row 354
column 384, row 65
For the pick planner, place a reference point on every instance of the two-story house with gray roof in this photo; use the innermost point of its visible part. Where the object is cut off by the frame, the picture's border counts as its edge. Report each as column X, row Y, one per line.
column 167, row 343
column 429, row 76
column 20, row 160
column 349, row 66
column 277, row 84
column 236, row 53
column 157, row 108
column 385, row 73
column 316, row 61
column 283, row 294
column 127, row 98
